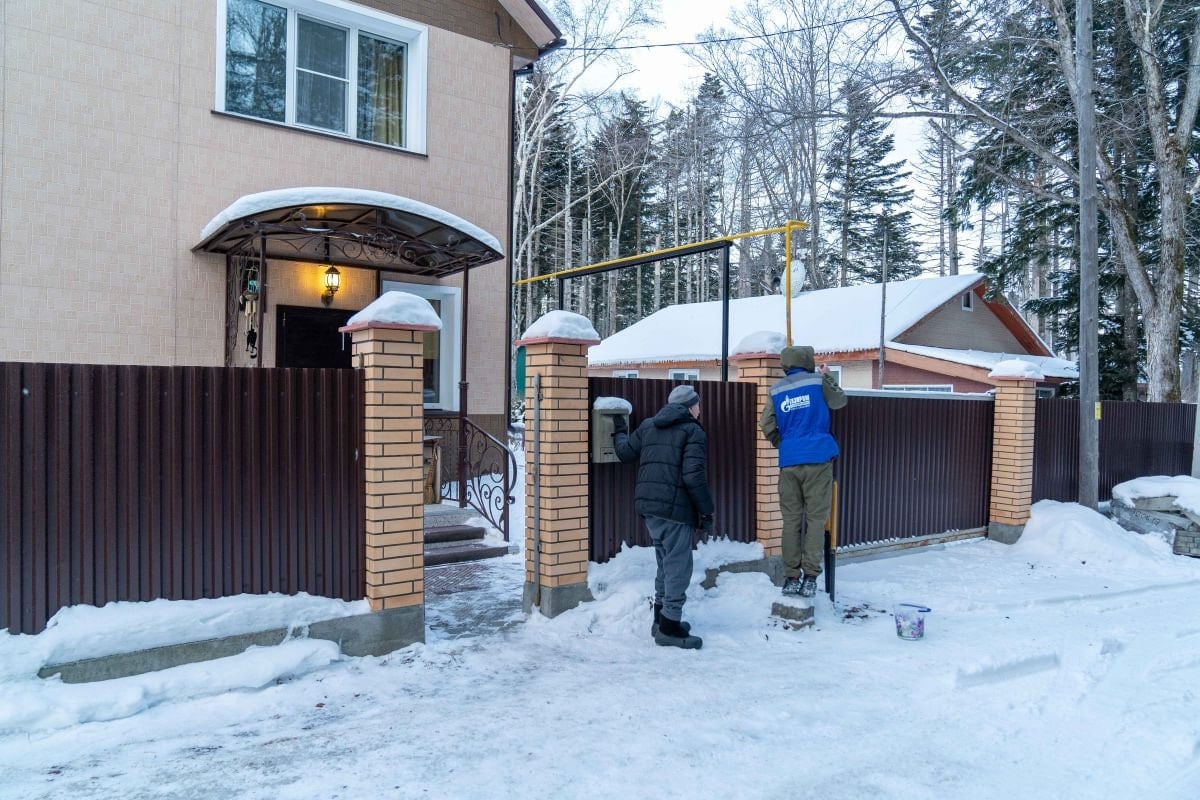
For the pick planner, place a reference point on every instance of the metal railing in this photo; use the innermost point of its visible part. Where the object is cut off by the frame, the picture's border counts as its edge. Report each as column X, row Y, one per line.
column 478, row 470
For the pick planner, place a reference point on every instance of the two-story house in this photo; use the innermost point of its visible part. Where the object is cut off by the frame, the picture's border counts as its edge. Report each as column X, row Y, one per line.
column 223, row 182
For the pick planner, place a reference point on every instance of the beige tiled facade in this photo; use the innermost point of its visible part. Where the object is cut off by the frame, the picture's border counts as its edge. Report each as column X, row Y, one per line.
column 112, row 160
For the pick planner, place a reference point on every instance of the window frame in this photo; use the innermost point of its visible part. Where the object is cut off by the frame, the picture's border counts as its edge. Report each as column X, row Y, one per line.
column 836, row 371
column 449, row 351
column 919, row 387
column 967, row 302
column 688, row 374
column 624, row 373
column 356, row 20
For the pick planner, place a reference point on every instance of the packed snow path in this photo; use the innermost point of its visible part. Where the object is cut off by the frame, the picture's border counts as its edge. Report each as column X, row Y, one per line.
column 1066, row 666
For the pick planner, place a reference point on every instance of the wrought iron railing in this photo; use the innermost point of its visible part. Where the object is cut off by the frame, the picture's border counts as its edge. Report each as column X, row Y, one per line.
column 478, row 470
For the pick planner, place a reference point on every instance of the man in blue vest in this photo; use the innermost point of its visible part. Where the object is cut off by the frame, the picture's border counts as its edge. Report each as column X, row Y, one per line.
column 795, row 419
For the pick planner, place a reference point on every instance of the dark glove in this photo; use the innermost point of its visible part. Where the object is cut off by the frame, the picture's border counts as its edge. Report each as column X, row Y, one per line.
column 706, row 522
column 618, row 423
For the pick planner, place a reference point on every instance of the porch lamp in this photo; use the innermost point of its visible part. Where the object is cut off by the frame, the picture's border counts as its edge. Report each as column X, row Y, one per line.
column 333, row 281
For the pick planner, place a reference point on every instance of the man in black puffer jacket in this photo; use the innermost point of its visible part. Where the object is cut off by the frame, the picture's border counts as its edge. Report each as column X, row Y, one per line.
column 672, row 495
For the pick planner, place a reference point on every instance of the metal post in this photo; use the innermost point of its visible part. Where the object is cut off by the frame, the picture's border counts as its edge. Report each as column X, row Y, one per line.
column 725, row 312
column 883, row 303
column 787, row 280
column 1089, row 291
column 1196, row 442
column 562, row 294
column 262, row 298
column 462, row 393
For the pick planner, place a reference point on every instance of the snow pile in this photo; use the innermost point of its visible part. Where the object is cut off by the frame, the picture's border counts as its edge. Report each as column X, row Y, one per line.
column 614, row 404
column 1068, row 532
column 1184, row 488
column 562, row 325
column 398, row 308
column 1016, row 368
column 761, row 342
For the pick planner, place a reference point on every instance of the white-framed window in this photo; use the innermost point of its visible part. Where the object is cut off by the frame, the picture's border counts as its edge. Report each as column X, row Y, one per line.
column 684, row 374
column 919, row 387
column 442, row 367
column 836, row 371
column 968, row 301
column 625, row 373
column 325, row 65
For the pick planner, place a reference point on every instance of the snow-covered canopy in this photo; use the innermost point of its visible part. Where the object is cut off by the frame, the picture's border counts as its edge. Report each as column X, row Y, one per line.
column 252, row 204
column 398, row 308
column 1016, row 368
column 1184, row 488
column 562, row 325
column 830, row 320
column 760, row 342
column 352, row 227
column 1049, row 366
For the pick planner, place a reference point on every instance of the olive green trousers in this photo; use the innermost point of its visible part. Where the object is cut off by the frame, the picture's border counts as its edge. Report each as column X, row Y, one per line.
column 805, row 496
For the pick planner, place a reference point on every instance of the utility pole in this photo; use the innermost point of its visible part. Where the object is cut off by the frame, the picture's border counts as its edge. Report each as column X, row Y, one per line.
column 1089, row 291
column 883, row 298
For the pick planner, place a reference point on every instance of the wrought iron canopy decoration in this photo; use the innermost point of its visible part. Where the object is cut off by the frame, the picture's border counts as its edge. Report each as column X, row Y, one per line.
column 393, row 233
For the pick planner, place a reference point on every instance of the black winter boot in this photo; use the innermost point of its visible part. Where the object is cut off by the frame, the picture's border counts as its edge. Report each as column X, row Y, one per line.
column 658, row 620
column 671, row 633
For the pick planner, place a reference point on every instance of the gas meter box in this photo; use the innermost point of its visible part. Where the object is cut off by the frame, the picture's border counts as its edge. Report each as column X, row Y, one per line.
column 604, row 411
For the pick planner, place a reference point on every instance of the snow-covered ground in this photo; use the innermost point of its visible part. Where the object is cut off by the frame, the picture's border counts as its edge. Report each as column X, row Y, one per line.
column 1065, row 666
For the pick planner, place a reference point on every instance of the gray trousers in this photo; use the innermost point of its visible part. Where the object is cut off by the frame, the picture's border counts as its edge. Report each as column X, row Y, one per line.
column 805, row 499
column 673, row 552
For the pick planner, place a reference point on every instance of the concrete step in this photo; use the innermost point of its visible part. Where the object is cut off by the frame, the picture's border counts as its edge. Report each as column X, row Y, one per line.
column 453, row 533
column 443, row 515
column 455, row 552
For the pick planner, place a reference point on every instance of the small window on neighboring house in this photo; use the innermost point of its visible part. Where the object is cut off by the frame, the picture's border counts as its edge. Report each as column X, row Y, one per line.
column 328, row 66
column 836, row 372
column 684, row 374
column 1045, row 393
column 919, row 387
column 625, row 373
column 441, row 367
column 968, row 301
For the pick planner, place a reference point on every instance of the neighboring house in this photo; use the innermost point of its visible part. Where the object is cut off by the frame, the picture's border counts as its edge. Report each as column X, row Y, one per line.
column 940, row 334
column 154, row 152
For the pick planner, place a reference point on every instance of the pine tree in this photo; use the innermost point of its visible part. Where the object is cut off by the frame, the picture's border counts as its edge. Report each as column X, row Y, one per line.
column 866, row 195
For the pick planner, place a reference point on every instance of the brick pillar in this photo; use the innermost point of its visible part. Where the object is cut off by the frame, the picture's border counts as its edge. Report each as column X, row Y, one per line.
column 556, row 570
column 390, row 355
column 763, row 369
column 1012, row 458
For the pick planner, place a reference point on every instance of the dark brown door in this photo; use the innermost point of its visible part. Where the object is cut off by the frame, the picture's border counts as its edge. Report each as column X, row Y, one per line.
column 308, row 337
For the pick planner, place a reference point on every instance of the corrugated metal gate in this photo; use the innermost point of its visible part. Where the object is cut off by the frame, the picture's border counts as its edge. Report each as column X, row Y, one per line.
column 135, row 483
column 1136, row 439
column 728, row 413
column 911, row 466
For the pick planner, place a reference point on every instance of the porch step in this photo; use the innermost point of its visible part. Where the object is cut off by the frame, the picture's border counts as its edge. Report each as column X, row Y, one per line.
column 456, row 551
column 444, row 515
column 453, row 533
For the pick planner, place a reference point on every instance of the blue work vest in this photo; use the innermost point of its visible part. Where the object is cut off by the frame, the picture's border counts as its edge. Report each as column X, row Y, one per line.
column 803, row 419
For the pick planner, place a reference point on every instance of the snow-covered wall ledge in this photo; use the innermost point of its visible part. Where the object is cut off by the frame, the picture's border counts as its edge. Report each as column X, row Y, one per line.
column 759, row 345
column 396, row 310
column 1016, row 369
column 560, row 326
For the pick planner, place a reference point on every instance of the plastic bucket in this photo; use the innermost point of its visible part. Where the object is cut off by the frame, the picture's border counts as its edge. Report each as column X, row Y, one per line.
column 910, row 620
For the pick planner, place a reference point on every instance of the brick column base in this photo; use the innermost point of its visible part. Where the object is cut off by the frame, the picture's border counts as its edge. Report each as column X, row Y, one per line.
column 556, row 553
column 1012, row 459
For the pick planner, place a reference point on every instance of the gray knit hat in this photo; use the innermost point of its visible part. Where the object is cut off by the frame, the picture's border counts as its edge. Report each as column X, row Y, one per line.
column 685, row 395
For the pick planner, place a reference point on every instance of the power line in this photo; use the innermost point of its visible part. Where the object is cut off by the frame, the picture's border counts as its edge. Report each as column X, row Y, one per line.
column 748, row 37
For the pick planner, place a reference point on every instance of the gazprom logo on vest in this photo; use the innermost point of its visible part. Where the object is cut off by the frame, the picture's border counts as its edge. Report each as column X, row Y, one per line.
column 792, row 403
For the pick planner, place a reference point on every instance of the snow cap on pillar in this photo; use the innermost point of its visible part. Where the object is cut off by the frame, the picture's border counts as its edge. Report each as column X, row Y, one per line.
column 1016, row 369
column 396, row 310
column 760, row 344
column 561, row 326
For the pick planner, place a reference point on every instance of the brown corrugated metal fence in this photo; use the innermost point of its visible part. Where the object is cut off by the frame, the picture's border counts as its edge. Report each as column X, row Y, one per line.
column 137, row 483
column 728, row 415
column 911, row 466
column 1136, row 439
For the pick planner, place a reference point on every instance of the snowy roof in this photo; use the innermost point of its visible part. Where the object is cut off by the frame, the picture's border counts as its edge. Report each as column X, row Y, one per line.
column 1049, row 366
column 830, row 320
